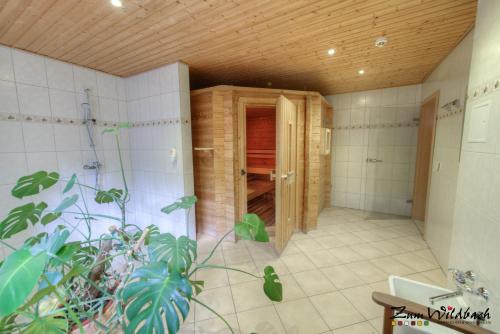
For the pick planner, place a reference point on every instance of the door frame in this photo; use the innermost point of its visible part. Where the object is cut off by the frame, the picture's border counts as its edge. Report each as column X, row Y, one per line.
column 434, row 96
column 240, row 189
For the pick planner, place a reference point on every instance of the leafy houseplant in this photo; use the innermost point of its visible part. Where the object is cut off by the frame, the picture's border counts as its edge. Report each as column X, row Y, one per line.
column 53, row 285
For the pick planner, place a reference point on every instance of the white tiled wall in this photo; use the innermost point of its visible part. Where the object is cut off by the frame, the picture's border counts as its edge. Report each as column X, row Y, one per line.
column 43, row 88
column 31, row 86
column 161, row 153
column 374, row 124
column 476, row 225
column 450, row 78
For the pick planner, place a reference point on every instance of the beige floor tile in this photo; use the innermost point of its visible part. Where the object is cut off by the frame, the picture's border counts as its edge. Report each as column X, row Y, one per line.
column 205, row 243
column 260, row 320
column 263, row 251
column 342, row 277
column 382, row 286
column 336, row 310
column 236, row 277
column 388, row 247
column 279, row 266
column 368, row 251
column 313, row 282
column 308, row 245
column 367, row 271
column 329, row 241
column 370, row 236
column 237, row 256
column 323, row 258
column 361, row 298
column 297, row 262
column 349, row 238
column 346, row 254
column 291, row 289
column 377, row 323
column 249, row 295
column 217, row 258
column 219, row 299
column 299, row 236
column 186, row 329
column 290, row 249
column 228, row 245
column 216, row 325
column 361, row 328
column 300, row 317
column 415, row 262
column 392, row 267
column 437, row 277
column 213, row 278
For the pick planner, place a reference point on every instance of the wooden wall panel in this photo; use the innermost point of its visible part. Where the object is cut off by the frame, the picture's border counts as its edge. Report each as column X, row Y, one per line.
column 203, row 161
column 225, row 134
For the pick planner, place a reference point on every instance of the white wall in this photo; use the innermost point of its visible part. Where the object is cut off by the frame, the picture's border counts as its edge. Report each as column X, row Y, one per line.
column 41, row 129
column 374, row 124
column 41, row 125
column 450, row 78
column 476, row 232
column 159, row 107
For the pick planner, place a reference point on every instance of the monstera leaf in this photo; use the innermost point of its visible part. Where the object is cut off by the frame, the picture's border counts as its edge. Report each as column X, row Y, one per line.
column 182, row 203
column 251, row 228
column 272, row 285
column 66, row 203
column 18, row 276
column 51, row 243
column 179, row 254
column 155, row 296
column 53, row 324
column 108, row 196
column 19, row 217
column 34, row 183
column 70, row 184
column 50, row 217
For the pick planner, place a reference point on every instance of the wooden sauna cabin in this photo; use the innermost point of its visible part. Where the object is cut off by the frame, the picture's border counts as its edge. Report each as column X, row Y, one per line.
column 264, row 151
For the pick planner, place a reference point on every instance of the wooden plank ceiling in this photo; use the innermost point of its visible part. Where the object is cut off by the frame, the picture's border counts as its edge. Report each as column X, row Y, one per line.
column 282, row 43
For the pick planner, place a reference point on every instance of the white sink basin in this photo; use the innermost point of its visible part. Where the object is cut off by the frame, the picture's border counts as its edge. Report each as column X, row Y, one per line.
column 420, row 293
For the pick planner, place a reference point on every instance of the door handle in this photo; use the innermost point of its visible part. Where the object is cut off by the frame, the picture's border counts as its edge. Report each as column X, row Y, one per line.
column 243, row 172
column 373, row 160
column 272, row 175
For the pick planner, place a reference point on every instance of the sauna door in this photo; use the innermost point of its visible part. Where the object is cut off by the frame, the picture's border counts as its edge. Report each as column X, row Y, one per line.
column 286, row 167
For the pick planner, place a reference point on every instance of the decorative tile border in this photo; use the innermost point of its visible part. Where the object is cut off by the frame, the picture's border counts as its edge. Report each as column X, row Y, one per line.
column 449, row 114
column 76, row 121
column 484, row 89
column 378, row 126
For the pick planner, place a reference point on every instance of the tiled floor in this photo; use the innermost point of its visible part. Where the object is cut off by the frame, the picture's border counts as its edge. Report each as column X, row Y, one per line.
column 328, row 276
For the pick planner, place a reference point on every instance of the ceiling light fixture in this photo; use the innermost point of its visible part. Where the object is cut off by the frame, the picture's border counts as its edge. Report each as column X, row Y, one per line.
column 361, row 72
column 331, row 52
column 117, row 3
column 381, row 41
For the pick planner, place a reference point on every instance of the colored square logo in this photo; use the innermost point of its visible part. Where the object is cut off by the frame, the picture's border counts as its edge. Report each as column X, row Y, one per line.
column 413, row 323
column 394, row 323
column 426, row 322
column 419, row 323
column 400, row 323
column 407, row 323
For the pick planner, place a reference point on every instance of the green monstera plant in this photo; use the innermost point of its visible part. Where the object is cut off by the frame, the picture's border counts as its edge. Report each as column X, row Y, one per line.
column 129, row 279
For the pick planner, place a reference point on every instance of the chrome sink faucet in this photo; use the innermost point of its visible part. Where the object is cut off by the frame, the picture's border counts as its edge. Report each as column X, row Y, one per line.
column 464, row 281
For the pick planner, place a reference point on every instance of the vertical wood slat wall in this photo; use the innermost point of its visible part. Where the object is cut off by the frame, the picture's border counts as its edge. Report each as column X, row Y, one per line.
column 215, row 125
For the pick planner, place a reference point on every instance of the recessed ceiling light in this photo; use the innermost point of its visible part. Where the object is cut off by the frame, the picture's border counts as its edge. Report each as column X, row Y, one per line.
column 117, row 3
column 361, row 72
column 331, row 52
column 381, row 41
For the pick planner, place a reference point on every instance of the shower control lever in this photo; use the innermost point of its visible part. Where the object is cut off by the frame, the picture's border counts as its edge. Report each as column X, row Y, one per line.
column 373, row 160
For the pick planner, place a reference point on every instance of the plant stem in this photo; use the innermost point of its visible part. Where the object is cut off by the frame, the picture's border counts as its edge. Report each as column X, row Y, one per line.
column 217, row 245
column 214, row 312
column 213, row 266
